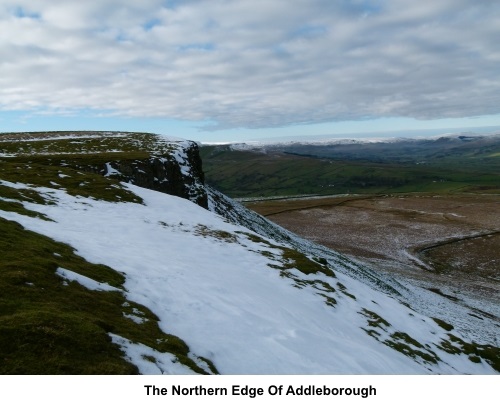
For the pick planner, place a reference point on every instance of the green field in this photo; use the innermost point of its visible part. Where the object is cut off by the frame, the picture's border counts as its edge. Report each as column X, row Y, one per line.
column 285, row 171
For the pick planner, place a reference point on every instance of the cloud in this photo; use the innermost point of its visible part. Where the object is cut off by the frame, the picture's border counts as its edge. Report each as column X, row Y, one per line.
column 252, row 63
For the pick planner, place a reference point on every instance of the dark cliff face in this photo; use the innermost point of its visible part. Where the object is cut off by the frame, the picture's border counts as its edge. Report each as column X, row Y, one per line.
column 177, row 173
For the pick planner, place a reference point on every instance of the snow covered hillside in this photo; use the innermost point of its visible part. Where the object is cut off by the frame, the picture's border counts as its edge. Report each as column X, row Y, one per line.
column 233, row 300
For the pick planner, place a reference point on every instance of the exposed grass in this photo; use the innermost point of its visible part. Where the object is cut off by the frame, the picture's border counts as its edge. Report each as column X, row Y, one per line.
column 293, row 259
column 17, row 207
column 439, row 292
column 445, row 325
column 81, row 143
column 374, row 319
column 343, row 290
column 219, row 234
column 56, row 174
column 399, row 341
column 405, row 344
column 48, row 342
column 476, row 352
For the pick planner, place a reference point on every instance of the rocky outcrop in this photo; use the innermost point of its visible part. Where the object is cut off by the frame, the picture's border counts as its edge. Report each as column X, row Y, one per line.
column 178, row 172
column 169, row 165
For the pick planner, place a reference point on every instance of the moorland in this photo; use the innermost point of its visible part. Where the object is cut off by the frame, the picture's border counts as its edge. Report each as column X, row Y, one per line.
column 98, row 274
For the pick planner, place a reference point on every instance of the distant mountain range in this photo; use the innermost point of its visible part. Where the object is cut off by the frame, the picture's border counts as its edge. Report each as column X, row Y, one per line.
column 380, row 136
column 459, row 162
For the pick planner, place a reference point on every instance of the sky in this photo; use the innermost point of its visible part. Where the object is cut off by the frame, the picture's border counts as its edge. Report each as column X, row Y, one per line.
column 237, row 70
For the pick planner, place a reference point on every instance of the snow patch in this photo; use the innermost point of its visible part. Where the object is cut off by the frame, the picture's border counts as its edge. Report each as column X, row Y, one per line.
column 111, row 171
column 84, row 281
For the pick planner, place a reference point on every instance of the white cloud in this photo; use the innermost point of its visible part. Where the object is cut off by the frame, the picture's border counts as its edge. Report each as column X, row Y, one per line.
column 252, row 63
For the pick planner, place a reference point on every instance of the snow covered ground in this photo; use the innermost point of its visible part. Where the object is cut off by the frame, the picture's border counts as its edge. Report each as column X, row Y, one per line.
column 219, row 287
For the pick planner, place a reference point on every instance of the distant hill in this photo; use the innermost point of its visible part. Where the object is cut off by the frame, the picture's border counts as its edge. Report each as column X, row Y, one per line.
column 463, row 163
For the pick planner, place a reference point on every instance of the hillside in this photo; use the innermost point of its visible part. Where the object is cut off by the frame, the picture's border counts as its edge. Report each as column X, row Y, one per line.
column 117, row 259
column 447, row 164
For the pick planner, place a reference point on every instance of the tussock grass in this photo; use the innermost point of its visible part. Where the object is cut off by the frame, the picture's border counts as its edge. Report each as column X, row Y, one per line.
column 80, row 143
column 56, row 174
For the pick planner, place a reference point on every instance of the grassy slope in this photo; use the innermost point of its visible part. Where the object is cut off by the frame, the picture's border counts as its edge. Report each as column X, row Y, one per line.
column 48, row 326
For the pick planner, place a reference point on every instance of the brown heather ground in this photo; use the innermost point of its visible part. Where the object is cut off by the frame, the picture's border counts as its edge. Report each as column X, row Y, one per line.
column 445, row 242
